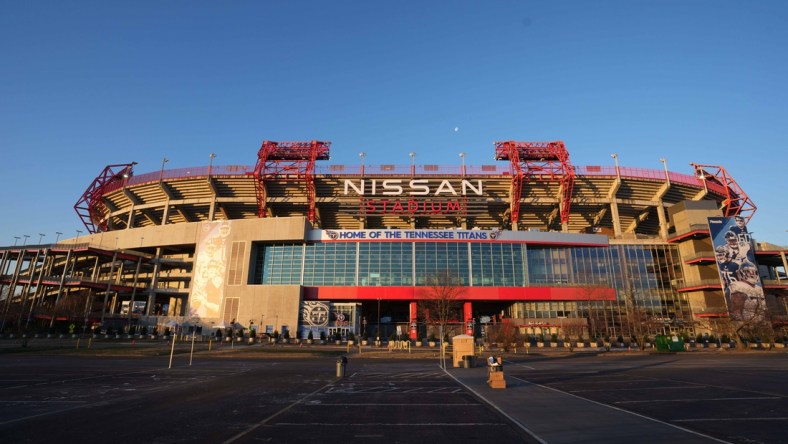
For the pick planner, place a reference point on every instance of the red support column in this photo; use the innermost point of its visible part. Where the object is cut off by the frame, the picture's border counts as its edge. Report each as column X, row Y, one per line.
column 414, row 314
column 467, row 316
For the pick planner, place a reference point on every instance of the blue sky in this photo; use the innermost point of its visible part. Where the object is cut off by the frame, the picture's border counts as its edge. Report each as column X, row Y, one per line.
column 86, row 84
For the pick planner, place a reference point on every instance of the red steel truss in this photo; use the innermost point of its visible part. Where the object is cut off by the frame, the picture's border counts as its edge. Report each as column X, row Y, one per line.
column 90, row 207
column 736, row 202
column 289, row 161
column 538, row 161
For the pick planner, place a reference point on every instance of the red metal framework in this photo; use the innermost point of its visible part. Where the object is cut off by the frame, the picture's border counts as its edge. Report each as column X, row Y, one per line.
column 90, row 207
column 538, row 161
column 736, row 202
column 289, row 161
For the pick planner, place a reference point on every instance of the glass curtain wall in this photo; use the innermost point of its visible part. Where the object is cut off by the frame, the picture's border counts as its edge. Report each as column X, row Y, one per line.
column 641, row 275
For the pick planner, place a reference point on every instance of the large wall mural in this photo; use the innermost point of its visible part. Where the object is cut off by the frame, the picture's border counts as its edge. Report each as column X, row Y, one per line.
column 315, row 314
column 210, row 266
column 739, row 275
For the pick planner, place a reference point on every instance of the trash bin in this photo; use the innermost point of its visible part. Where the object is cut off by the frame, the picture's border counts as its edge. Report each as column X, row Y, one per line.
column 468, row 361
column 341, row 364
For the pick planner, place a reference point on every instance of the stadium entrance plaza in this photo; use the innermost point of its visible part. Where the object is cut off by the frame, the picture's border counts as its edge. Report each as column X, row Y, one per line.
column 127, row 393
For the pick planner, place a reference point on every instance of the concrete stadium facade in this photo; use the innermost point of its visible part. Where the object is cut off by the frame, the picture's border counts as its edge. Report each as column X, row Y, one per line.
column 337, row 249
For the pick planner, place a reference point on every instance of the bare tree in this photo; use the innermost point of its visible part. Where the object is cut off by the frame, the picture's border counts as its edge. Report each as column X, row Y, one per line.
column 503, row 333
column 598, row 322
column 751, row 317
column 441, row 299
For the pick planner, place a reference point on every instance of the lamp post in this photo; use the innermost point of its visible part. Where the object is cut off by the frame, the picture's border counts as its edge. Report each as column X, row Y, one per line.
column 79, row 232
column 127, row 173
column 462, row 159
column 362, row 155
column 24, row 242
column 412, row 155
column 57, row 238
column 700, row 174
column 40, row 236
column 16, row 239
column 163, row 162
column 615, row 159
column 210, row 163
column 665, row 166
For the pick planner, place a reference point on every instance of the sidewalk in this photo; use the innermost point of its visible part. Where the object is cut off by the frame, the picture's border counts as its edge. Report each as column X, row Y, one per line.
column 555, row 417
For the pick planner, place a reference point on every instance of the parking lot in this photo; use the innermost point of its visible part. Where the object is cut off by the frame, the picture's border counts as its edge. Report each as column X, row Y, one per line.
column 733, row 397
column 240, row 396
column 240, row 399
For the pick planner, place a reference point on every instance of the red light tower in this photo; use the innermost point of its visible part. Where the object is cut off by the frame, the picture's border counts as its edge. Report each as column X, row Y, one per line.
column 538, row 161
column 736, row 202
column 293, row 161
column 90, row 207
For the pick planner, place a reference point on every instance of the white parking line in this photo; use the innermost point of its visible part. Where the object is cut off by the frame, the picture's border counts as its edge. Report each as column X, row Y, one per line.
column 728, row 419
column 42, row 402
column 626, row 411
column 393, row 424
column 346, row 404
column 696, row 400
column 264, row 421
column 505, row 415
column 627, row 389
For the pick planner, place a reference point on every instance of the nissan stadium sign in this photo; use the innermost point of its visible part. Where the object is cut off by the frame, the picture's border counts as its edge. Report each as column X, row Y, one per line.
column 413, row 196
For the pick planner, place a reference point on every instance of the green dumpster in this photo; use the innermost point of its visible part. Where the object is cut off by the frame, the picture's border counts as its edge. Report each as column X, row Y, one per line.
column 669, row 343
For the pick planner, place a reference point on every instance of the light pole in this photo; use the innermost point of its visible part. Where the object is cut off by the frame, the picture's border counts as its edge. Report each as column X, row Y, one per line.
column 79, row 232
column 40, row 236
column 665, row 166
column 163, row 162
column 615, row 159
column 412, row 155
column 127, row 173
column 16, row 239
column 24, row 242
column 58, row 236
column 362, row 155
column 701, row 175
column 210, row 163
column 462, row 159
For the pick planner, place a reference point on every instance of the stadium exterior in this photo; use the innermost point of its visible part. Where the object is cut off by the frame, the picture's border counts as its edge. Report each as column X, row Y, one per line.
column 293, row 245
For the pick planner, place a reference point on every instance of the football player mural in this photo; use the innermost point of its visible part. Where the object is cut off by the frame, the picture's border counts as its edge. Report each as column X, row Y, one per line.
column 737, row 267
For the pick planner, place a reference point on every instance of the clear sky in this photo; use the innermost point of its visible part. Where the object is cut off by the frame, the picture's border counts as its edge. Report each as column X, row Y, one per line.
column 85, row 84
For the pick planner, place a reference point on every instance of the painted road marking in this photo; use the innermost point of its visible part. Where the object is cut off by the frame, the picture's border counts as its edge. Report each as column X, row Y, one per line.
column 695, row 400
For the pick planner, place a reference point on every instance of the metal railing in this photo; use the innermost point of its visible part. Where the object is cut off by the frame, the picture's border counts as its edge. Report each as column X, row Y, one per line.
column 418, row 170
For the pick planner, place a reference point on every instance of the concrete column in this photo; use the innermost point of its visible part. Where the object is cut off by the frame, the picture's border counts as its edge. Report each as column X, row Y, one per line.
column 414, row 316
column 467, row 317
column 663, row 222
column 153, row 283
column 614, row 216
column 614, row 205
